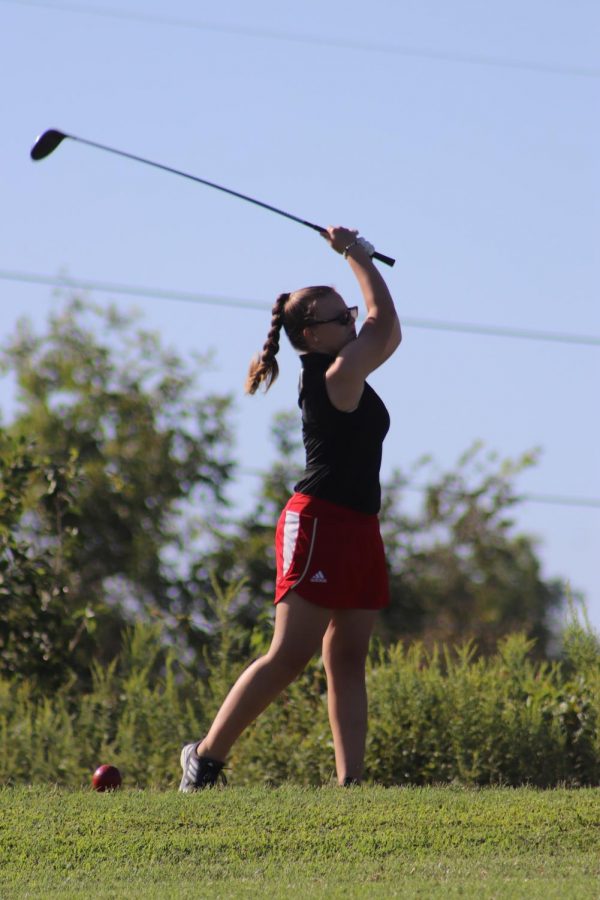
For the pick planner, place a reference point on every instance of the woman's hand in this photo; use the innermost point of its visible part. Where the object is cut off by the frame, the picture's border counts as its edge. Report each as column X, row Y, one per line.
column 339, row 238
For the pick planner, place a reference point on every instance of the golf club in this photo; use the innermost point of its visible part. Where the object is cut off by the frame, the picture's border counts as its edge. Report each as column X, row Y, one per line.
column 50, row 140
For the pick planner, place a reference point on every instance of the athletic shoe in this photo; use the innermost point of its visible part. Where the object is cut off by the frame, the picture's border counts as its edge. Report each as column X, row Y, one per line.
column 199, row 771
column 350, row 782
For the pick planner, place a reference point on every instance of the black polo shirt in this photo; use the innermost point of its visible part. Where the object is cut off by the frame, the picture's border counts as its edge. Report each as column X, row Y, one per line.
column 343, row 449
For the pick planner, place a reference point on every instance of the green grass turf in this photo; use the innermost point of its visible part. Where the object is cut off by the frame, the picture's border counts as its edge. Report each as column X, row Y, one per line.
column 299, row 842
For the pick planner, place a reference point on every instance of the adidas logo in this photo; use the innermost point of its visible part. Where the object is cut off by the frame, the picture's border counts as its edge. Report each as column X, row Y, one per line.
column 319, row 578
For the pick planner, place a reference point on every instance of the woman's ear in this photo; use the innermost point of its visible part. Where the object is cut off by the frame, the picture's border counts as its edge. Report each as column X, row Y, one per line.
column 310, row 338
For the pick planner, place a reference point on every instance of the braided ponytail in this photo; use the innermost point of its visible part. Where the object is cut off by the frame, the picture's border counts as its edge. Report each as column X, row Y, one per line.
column 290, row 311
column 264, row 367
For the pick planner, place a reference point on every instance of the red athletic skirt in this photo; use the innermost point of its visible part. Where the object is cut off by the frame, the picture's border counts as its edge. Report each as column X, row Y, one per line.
column 330, row 555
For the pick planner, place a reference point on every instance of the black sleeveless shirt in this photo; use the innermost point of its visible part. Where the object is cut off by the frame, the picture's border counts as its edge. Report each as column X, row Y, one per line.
column 343, row 450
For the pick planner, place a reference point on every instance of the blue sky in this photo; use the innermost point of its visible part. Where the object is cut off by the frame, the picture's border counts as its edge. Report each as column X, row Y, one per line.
column 461, row 138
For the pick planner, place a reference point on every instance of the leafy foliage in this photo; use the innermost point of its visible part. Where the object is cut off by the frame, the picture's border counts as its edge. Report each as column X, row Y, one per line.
column 39, row 625
column 457, row 568
column 243, row 550
column 132, row 446
column 437, row 716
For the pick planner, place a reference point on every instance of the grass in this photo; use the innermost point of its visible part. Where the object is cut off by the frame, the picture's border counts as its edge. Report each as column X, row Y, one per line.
column 301, row 842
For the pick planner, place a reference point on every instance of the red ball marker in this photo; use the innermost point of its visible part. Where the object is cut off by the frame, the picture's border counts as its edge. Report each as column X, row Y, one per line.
column 106, row 778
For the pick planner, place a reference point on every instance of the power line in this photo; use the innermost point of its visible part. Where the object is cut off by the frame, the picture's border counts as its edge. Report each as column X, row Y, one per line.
column 557, row 500
column 503, row 332
column 550, row 499
column 317, row 40
column 63, row 281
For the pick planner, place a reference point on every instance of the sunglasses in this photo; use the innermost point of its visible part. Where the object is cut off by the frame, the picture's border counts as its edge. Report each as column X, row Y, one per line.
column 344, row 318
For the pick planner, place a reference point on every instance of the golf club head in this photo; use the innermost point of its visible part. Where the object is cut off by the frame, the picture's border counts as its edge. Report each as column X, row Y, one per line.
column 47, row 143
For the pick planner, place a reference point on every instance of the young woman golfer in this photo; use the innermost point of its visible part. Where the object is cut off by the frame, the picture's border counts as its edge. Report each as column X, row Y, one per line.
column 331, row 572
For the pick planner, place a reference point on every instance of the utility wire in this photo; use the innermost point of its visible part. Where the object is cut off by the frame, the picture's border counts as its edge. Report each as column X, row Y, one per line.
column 317, row 40
column 551, row 499
column 63, row 281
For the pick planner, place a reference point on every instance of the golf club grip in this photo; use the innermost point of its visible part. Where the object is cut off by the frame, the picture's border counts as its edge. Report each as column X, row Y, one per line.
column 380, row 256
column 384, row 259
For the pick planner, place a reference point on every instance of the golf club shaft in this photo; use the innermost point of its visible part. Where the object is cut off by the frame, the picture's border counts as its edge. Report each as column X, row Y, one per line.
column 280, row 212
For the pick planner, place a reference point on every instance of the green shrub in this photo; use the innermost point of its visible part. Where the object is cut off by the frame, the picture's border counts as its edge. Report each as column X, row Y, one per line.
column 441, row 716
column 129, row 718
column 450, row 717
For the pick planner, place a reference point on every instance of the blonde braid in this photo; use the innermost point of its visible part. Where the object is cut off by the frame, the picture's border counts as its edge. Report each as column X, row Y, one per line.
column 264, row 367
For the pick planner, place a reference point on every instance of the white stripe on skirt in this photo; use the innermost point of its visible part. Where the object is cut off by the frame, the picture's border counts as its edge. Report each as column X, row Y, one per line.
column 291, row 529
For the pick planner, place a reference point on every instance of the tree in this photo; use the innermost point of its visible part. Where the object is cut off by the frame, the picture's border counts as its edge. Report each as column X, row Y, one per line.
column 147, row 446
column 242, row 550
column 457, row 569
column 39, row 629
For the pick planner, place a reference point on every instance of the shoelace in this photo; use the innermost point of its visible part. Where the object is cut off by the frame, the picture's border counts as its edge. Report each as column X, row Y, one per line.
column 207, row 766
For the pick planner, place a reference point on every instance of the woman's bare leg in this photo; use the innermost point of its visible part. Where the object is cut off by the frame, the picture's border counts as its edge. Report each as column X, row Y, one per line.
column 345, row 648
column 299, row 630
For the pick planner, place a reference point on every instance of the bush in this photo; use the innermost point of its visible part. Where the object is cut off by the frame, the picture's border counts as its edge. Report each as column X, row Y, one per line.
column 130, row 718
column 451, row 718
column 440, row 716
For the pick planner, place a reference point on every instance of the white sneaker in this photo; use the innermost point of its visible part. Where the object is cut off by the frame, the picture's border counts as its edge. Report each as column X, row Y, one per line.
column 199, row 771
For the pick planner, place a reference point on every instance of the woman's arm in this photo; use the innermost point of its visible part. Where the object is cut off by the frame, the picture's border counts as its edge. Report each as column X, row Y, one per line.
column 380, row 334
column 394, row 341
